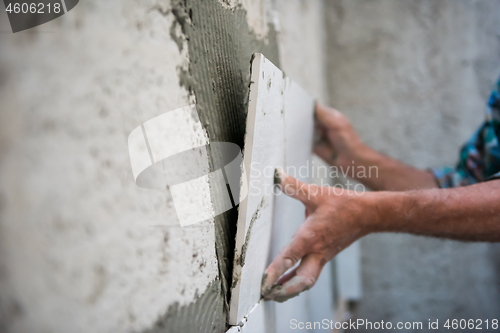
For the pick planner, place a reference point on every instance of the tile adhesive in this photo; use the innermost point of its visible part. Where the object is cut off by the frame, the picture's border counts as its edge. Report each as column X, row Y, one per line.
column 220, row 45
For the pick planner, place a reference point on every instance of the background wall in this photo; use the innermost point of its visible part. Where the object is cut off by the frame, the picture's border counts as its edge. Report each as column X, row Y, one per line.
column 80, row 246
column 414, row 77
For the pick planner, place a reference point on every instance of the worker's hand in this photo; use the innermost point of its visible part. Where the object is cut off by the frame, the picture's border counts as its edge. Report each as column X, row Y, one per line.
column 336, row 141
column 333, row 222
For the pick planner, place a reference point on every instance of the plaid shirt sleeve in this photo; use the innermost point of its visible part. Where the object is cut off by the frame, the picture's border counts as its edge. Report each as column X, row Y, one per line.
column 479, row 158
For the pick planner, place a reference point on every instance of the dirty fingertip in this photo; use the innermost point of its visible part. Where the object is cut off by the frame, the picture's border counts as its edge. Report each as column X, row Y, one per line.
column 264, row 289
column 278, row 175
column 275, row 291
column 280, row 295
column 264, row 278
column 315, row 113
column 277, row 178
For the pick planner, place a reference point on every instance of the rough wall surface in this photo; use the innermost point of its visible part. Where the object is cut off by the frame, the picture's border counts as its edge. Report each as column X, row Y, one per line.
column 83, row 249
column 79, row 248
column 220, row 45
column 414, row 76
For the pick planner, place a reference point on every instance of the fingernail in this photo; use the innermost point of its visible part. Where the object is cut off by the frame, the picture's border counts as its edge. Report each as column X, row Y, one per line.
column 273, row 292
column 284, row 298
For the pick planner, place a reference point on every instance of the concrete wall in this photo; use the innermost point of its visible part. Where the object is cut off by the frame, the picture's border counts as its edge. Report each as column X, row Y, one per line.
column 414, row 76
column 82, row 248
column 79, row 252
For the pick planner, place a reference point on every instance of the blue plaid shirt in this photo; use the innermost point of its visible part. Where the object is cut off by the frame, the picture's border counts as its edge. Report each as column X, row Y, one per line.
column 480, row 156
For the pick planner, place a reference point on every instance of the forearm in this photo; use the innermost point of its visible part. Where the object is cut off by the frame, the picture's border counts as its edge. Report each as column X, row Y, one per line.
column 388, row 174
column 336, row 220
column 470, row 213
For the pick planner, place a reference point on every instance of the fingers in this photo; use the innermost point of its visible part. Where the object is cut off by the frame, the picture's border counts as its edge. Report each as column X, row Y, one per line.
column 300, row 279
column 287, row 277
column 326, row 152
column 328, row 117
column 286, row 259
column 320, row 134
column 296, row 189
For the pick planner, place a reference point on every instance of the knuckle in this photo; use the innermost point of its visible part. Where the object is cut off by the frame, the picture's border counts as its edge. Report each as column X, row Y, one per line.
column 320, row 247
column 305, row 233
column 291, row 257
column 314, row 192
column 322, row 261
column 297, row 251
column 289, row 262
column 321, row 240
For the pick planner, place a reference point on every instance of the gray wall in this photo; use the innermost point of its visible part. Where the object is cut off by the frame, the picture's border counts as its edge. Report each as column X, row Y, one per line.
column 82, row 248
column 414, row 77
column 78, row 252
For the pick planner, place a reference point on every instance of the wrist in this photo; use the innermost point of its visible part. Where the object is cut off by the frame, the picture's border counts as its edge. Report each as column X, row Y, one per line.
column 391, row 211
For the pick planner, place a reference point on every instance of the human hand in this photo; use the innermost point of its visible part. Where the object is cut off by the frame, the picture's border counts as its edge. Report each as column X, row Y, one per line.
column 337, row 142
column 333, row 222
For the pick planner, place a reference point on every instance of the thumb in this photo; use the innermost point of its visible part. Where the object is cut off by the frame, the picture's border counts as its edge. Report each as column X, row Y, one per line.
column 294, row 188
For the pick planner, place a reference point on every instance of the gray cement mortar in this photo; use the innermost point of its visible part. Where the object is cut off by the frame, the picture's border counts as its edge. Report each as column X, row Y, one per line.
column 220, row 46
